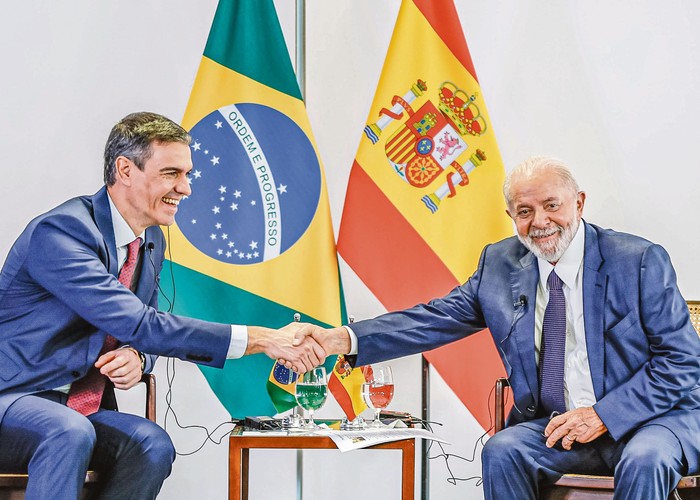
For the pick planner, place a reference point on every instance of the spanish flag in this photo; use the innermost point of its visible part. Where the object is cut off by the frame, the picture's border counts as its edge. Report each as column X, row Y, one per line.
column 424, row 194
column 254, row 243
column 345, row 383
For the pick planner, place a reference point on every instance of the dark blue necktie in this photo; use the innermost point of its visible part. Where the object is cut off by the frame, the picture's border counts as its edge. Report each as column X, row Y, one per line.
column 553, row 349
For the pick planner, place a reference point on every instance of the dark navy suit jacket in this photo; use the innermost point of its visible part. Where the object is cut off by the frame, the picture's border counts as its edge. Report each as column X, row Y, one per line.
column 643, row 352
column 60, row 297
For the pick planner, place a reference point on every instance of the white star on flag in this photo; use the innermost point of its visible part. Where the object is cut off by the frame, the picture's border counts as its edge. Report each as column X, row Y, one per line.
column 215, row 160
column 218, row 124
column 196, row 146
column 282, row 188
column 216, row 209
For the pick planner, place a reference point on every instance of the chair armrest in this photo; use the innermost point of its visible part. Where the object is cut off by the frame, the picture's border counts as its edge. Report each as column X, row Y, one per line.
column 150, row 381
column 500, row 402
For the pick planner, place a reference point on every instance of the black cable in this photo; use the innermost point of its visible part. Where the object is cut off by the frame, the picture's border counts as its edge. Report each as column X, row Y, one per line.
column 168, row 401
column 170, row 377
column 452, row 479
column 172, row 273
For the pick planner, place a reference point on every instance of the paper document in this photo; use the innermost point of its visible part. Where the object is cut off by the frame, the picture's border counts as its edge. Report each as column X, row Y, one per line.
column 353, row 440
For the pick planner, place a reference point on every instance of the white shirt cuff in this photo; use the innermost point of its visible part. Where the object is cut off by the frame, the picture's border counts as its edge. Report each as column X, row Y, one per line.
column 353, row 340
column 239, row 342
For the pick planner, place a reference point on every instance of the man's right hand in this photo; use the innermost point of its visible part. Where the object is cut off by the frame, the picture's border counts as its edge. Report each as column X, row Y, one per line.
column 281, row 344
column 332, row 340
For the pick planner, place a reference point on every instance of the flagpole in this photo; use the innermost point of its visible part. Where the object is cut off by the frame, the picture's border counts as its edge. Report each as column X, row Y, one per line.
column 425, row 415
column 300, row 66
column 300, row 45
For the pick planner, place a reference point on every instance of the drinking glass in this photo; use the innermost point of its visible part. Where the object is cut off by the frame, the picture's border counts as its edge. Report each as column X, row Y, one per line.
column 378, row 390
column 311, row 391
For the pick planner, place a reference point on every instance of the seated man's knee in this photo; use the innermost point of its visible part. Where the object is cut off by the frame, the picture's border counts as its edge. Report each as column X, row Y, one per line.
column 500, row 446
column 77, row 430
column 639, row 453
column 156, row 445
column 71, row 436
column 646, row 455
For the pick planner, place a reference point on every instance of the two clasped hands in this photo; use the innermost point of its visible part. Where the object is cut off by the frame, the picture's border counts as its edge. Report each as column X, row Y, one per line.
column 301, row 346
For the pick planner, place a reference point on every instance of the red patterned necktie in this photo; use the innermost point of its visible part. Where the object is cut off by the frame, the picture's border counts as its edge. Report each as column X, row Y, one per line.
column 86, row 394
column 553, row 348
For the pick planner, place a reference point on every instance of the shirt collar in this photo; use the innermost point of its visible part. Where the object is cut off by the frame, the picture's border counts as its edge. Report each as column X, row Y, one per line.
column 123, row 235
column 569, row 264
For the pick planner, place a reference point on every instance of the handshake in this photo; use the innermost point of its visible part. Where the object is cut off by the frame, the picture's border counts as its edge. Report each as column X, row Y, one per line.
column 298, row 346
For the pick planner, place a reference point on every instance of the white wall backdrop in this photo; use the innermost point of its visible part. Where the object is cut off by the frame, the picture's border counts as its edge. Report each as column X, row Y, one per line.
column 610, row 87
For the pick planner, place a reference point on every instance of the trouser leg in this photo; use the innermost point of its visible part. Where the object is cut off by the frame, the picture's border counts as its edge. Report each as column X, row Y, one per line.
column 133, row 453
column 650, row 465
column 516, row 462
column 52, row 443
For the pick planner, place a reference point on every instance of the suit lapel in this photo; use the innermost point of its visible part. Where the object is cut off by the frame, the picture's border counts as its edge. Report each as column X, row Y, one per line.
column 103, row 219
column 593, row 309
column 524, row 282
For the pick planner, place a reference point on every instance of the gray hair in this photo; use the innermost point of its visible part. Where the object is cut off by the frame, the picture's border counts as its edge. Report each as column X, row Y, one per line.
column 132, row 137
column 537, row 164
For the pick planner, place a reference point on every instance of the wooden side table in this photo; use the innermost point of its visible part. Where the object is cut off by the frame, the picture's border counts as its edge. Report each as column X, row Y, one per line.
column 240, row 446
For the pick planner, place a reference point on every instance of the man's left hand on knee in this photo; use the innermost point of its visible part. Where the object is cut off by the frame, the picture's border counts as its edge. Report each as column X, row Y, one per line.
column 581, row 425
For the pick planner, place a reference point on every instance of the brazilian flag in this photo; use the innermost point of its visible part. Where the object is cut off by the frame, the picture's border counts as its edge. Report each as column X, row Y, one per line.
column 254, row 242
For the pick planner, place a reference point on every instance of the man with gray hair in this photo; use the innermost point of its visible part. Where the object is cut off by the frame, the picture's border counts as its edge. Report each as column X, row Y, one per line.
column 78, row 317
column 595, row 337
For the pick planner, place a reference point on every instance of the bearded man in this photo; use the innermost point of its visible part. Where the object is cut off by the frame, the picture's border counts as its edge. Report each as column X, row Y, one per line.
column 594, row 335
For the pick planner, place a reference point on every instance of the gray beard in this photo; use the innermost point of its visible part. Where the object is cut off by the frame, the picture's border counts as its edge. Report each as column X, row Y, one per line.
column 554, row 253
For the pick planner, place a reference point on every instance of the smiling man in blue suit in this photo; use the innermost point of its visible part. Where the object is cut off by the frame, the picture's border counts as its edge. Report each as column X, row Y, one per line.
column 595, row 337
column 78, row 310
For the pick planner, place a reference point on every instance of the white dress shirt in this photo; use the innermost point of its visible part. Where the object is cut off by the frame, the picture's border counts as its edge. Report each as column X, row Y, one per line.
column 578, row 383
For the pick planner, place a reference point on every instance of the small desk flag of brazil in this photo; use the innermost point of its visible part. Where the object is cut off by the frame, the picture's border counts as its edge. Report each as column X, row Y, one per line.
column 254, row 242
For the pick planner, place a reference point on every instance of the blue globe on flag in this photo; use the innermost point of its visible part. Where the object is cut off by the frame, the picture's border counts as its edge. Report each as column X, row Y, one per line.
column 256, row 184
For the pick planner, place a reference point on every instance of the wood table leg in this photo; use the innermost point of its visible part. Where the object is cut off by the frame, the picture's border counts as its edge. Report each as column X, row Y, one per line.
column 234, row 475
column 244, row 473
column 408, row 466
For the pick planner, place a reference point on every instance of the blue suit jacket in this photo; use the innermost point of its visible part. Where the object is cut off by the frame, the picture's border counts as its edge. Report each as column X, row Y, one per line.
column 643, row 352
column 60, row 297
